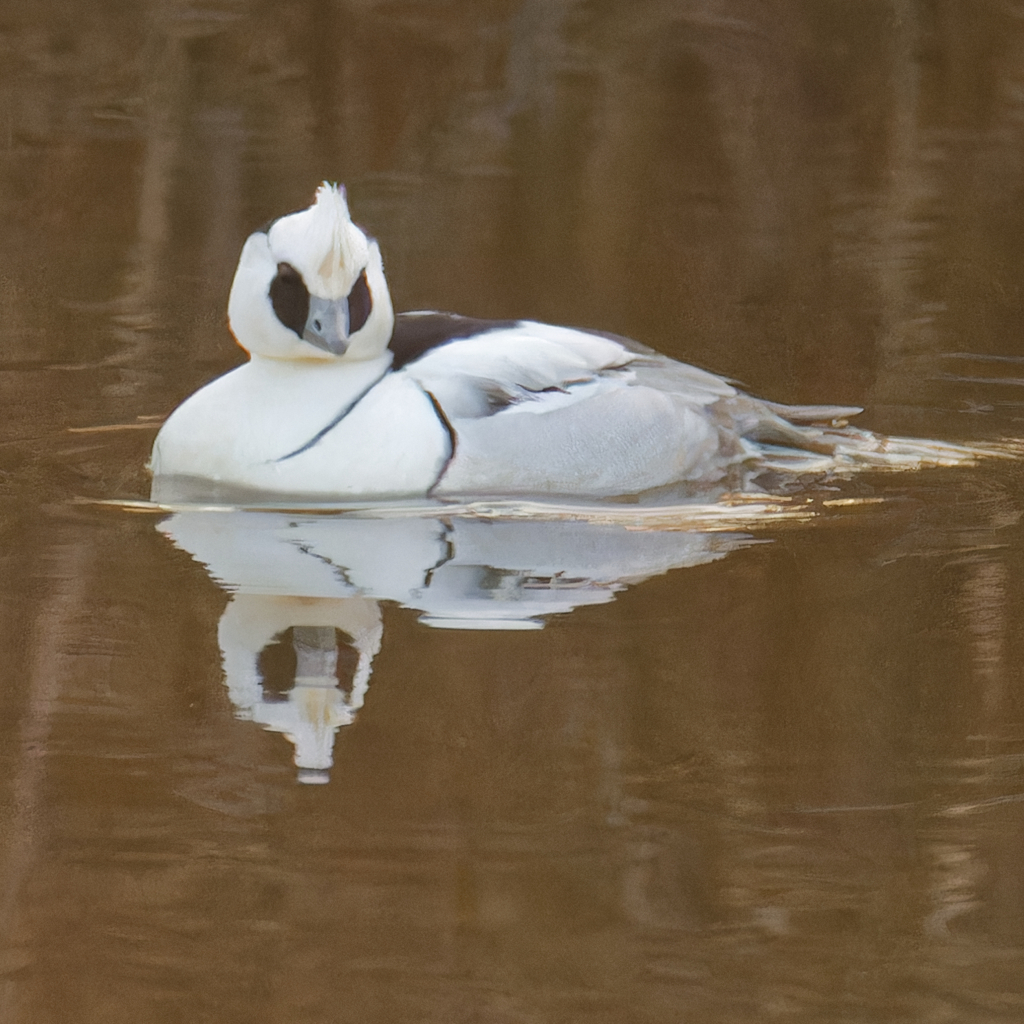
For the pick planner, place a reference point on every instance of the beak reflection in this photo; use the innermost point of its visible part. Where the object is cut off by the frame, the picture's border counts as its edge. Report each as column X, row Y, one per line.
column 304, row 622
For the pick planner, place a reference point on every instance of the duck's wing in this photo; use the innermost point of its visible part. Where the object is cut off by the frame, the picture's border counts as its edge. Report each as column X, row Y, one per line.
column 476, row 368
column 535, row 408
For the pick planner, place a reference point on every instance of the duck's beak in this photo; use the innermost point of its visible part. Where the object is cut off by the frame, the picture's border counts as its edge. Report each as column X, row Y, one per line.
column 327, row 324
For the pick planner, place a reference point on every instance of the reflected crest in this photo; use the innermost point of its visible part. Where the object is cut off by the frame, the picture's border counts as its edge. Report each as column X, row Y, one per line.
column 304, row 623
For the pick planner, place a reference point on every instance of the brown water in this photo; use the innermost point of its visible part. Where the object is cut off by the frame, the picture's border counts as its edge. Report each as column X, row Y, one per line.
column 782, row 781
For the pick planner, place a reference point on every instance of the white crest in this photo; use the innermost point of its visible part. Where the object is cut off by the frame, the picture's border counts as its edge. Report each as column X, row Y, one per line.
column 323, row 244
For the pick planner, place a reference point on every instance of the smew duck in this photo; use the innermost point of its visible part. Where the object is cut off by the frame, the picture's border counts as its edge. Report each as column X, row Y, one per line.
column 341, row 399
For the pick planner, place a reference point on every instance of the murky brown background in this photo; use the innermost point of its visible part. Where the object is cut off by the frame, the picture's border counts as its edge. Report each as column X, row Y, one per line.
column 787, row 785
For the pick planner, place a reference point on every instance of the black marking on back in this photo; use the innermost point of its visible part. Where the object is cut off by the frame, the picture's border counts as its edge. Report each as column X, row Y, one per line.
column 359, row 304
column 499, row 398
column 290, row 298
column 417, row 333
column 452, row 438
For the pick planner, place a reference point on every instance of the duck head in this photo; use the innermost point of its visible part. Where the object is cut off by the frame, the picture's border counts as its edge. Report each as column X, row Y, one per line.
column 311, row 287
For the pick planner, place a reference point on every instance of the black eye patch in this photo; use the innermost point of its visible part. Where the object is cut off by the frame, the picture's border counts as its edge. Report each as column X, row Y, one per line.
column 359, row 304
column 290, row 298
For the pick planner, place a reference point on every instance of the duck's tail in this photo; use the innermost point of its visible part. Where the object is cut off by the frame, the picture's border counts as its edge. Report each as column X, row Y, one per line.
column 817, row 439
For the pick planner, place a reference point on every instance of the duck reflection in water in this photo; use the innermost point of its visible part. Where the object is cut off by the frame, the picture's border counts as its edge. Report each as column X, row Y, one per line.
column 321, row 578
column 323, row 692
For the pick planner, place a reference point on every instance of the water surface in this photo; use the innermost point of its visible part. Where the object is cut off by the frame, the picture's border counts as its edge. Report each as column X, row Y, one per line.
column 770, row 770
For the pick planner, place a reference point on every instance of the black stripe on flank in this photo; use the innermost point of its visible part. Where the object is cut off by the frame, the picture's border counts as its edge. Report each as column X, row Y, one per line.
column 449, row 554
column 452, row 439
column 323, row 432
column 417, row 333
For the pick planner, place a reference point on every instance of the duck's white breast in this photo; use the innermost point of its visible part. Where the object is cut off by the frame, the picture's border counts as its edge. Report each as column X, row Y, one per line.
column 391, row 444
column 328, row 429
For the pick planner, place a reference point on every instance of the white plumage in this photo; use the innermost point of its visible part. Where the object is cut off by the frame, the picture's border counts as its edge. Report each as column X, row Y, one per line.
column 341, row 399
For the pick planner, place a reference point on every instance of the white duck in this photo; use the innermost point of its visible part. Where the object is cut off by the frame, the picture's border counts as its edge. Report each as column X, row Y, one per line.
column 341, row 399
